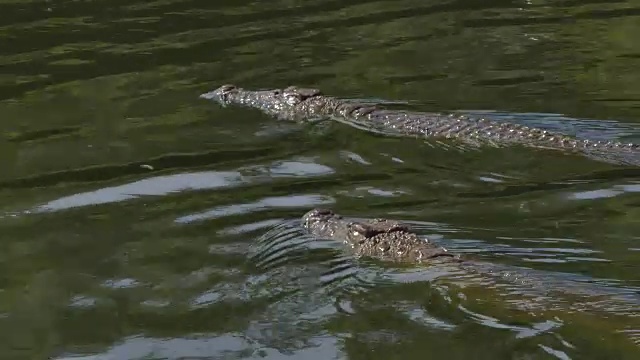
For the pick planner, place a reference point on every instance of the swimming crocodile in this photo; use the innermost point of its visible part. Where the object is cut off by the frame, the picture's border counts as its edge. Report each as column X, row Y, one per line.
column 395, row 242
column 295, row 103
column 574, row 298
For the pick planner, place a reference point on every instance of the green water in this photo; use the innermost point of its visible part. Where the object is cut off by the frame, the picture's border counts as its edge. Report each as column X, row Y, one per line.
column 138, row 221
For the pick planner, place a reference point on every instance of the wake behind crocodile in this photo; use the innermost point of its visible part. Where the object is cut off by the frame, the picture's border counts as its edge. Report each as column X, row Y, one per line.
column 303, row 104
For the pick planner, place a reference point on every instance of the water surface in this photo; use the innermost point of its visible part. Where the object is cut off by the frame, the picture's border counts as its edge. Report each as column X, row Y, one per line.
column 138, row 221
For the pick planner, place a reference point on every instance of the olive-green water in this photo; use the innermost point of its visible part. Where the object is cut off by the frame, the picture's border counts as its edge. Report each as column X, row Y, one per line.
column 138, row 221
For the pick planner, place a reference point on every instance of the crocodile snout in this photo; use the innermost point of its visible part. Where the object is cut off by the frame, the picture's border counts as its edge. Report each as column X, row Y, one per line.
column 219, row 94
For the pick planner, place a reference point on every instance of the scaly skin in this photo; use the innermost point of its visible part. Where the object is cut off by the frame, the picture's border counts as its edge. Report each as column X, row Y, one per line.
column 295, row 103
column 377, row 238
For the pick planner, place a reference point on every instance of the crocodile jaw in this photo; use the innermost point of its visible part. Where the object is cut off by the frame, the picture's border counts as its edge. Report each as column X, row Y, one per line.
column 273, row 101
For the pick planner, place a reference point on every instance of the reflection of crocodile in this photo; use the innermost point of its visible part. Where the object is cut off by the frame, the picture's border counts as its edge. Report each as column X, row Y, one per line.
column 295, row 103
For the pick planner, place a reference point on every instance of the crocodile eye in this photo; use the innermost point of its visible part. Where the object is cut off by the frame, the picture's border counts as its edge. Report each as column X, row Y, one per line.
column 363, row 229
column 359, row 229
column 296, row 95
column 227, row 88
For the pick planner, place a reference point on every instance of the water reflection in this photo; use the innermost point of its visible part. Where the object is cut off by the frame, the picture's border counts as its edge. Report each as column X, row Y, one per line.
column 168, row 184
column 294, row 201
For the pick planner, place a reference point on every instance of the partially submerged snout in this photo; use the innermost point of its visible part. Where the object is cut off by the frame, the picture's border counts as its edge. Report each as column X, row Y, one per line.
column 220, row 94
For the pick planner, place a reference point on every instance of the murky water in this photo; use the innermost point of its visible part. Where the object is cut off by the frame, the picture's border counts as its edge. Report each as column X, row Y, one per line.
column 138, row 221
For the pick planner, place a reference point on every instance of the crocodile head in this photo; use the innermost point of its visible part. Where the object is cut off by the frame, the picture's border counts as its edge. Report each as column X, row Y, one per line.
column 281, row 102
column 326, row 223
column 378, row 238
column 291, row 103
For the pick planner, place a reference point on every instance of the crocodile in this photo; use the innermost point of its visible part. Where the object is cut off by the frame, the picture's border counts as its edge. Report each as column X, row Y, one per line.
column 578, row 299
column 395, row 242
column 299, row 104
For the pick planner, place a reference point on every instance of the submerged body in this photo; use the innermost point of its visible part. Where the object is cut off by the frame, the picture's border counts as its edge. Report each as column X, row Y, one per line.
column 295, row 103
